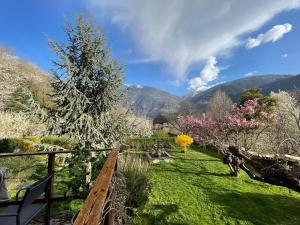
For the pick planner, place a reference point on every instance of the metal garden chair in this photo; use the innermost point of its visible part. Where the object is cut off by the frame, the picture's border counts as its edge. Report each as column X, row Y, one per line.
column 22, row 212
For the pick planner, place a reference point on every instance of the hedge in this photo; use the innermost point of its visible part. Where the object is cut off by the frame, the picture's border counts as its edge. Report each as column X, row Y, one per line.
column 62, row 141
column 8, row 145
column 147, row 143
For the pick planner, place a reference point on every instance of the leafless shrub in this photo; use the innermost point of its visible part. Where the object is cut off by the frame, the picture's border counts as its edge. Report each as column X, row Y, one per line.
column 116, row 201
column 18, row 125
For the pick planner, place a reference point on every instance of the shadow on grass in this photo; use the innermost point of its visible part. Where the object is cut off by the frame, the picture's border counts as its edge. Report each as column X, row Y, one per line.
column 201, row 171
column 258, row 208
column 197, row 173
column 196, row 160
column 161, row 218
column 233, row 204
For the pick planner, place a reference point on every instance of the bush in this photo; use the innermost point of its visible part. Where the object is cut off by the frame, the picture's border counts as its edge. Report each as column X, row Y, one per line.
column 18, row 125
column 35, row 139
column 160, row 134
column 25, row 146
column 183, row 141
column 138, row 125
column 12, row 144
column 62, row 141
column 135, row 171
column 8, row 145
column 147, row 143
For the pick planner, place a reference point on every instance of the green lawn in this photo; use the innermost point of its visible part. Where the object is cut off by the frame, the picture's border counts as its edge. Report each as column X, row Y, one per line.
column 196, row 189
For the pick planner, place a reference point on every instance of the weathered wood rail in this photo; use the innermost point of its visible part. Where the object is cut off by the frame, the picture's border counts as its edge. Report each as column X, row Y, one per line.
column 91, row 212
column 95, row 201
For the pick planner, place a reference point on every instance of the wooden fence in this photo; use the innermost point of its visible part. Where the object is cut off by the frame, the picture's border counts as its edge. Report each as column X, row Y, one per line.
column 93, row 207
column 91, row 212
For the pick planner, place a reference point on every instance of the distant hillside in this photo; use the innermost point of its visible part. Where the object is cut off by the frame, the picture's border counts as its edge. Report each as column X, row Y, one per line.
column 234, row 89
column 16, row 73
column 142, row 100
column 288, row 84
column 150, row 101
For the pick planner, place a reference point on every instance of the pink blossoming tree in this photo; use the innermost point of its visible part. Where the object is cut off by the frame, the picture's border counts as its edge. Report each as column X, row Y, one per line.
column 240, row 128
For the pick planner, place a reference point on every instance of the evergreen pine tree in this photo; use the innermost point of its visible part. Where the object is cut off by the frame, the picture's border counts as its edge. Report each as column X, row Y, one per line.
column 87, row 85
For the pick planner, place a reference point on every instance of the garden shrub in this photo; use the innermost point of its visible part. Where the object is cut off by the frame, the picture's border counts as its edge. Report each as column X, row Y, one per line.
column 81, row 164
column 137, row 125
column 8, row 145
column 62, row 141
column 35, row 139
column 160, row 134
column 183, row 141
column 18, row 125
column 97, row 161
column 147, row 143
column 135, row 170
column 25, row 146
column 14, row 144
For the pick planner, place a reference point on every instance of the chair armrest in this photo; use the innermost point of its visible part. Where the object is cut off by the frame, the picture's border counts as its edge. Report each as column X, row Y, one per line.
column 8, row 214
column 17, row 195
column 74, row 217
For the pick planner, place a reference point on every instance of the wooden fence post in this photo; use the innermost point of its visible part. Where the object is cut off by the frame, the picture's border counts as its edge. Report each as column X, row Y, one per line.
column 51, row 166
column 92, row 210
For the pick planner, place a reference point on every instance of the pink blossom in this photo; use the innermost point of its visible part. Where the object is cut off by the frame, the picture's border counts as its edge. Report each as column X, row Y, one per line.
column 243, row 117
column 267, row 116
column 249, row 107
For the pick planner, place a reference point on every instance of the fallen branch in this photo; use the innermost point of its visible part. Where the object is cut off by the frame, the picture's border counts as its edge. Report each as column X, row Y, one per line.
column 281, row 172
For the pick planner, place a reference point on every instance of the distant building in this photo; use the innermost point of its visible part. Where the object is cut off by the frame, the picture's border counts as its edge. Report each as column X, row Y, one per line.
column 162, row 123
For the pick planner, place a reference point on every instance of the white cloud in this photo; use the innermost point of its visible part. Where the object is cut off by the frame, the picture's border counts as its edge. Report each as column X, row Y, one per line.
column 139, row 86
column 181, row 33
column 134, row 85
column 144, row 60
column 272, row 35
column 249, row 74
column 209, row 73
column 285, row 55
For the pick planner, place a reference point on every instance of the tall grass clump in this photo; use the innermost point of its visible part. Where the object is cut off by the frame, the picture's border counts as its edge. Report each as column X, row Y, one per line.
column 62, row 141
column 160, row 134
column 135, row 171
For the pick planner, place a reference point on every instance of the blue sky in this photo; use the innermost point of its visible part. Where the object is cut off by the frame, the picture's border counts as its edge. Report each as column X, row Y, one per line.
column 177, row 46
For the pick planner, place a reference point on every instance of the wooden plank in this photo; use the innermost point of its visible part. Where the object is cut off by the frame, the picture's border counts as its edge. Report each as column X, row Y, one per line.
column 91, row 211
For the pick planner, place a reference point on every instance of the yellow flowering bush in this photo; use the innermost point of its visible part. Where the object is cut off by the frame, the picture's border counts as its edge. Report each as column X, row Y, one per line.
column 35, row 139
column 25, row 146
column 183, row 141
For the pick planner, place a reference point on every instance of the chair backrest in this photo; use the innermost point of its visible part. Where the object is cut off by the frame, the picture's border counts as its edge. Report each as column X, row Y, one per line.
column 35, row 191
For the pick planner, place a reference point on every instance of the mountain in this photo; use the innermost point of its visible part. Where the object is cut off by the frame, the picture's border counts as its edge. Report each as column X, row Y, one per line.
column 149, row 101
column 234, row 89
column 288, row 84
column 16, row 73
column 142, row 100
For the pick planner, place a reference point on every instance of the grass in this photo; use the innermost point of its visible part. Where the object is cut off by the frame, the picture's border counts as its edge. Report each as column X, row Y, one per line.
column 196, row 189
